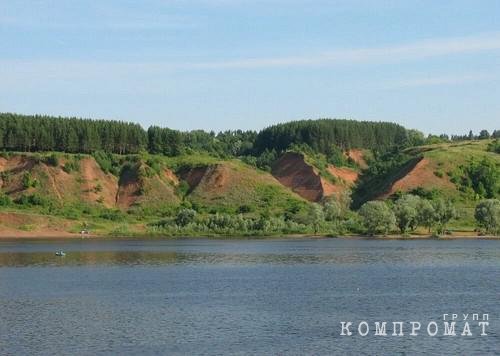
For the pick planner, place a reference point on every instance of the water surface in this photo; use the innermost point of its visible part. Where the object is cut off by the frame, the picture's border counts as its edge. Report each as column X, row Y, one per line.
column 242, row 296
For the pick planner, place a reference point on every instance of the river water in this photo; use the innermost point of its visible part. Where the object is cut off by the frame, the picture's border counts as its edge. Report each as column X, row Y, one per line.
column 254, row 297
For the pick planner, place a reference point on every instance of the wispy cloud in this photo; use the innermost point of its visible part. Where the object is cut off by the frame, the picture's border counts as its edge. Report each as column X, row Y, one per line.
column 442, row 80
column 448, row 80
column 402, row 52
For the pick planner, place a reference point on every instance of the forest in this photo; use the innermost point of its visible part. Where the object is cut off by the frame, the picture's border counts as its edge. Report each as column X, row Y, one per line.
column 74, row 135
column 35, row 133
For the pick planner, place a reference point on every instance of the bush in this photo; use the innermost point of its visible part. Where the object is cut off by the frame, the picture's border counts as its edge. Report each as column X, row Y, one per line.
column 113, row 215
column 71, row 166
column 185, row 216
column 107, row 162
column 244, row 209
column 4, row 199
column 33, row 199
column 29, row 181
column 439, row 174
column 494, row 146
column 52, row 160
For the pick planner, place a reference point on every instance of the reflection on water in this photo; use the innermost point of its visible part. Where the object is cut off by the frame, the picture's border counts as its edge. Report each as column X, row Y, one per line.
column 241, row 297
column 321, row 251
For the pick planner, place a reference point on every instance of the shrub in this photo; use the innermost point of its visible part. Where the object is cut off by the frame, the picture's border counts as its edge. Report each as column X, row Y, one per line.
column 182, row 189
column 112, row 214
column 185, row 216
column 107, row 162
column 33, row 199
column 494, row 146
column 29, row 181
column 439, row 174
column 52, row 160
column 4, row 199
column 244, row 209
column 71, row 166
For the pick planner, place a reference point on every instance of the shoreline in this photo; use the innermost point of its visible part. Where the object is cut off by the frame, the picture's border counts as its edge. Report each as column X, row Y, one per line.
column 60, row 235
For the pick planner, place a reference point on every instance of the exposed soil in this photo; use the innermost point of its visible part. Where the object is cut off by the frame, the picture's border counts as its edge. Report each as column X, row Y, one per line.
column 348, row 175
column 357, row 156
column 170, row 176
column 97, row 185
column 292, row 171
column 128, row 189
column 421, row 175
column 194, row 176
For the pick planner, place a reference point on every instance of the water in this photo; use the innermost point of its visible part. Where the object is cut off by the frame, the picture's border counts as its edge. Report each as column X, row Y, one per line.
column 243, row 297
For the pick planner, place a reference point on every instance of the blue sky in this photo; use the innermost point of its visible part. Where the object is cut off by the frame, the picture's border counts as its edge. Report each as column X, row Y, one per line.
column 226, row 64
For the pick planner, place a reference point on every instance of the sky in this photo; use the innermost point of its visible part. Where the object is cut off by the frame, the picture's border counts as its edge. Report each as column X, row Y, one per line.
column 228, row 64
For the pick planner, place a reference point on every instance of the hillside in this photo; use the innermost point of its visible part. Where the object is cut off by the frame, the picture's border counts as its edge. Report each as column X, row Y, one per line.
column 211, row 192
column 433, row 167
column 295, row 172
column 145, row 188
column 458, row 172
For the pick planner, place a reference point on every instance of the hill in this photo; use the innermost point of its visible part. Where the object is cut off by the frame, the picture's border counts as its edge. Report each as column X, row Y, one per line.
column 293, row 178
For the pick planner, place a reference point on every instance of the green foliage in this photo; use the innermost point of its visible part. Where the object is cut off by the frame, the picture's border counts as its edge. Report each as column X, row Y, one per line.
column 316, row 216
column 182, row 188
column 245, row 208
column 112, row 214
column 495, row 145
column 319, row 135
column 227, row 224
column 487, row 216
column 384, row 169
column 332, row 210
column 185, row 217
column 264, row 161
column 429, row 194
column 225, row 144
column 5, row 199
column 71, row 166
column 29, row 181
column 439, row 174
column 426, row 214
column 52, row 160
column 415, row 138
column 444, row 212
column 377, row 217
column 482, row 177
column 484, row 134
column 43, row 133
column 406, row 211
column 33, row 200
column 107, row 162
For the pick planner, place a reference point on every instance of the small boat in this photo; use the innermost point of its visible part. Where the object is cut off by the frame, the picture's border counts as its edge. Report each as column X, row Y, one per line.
column 60, row 253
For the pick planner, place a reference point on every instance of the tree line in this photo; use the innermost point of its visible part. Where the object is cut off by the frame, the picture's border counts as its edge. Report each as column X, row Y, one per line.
column 325, row 136
column 73, row 135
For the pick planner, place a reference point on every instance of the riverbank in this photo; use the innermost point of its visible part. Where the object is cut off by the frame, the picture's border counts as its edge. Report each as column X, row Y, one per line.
column 12, row 234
